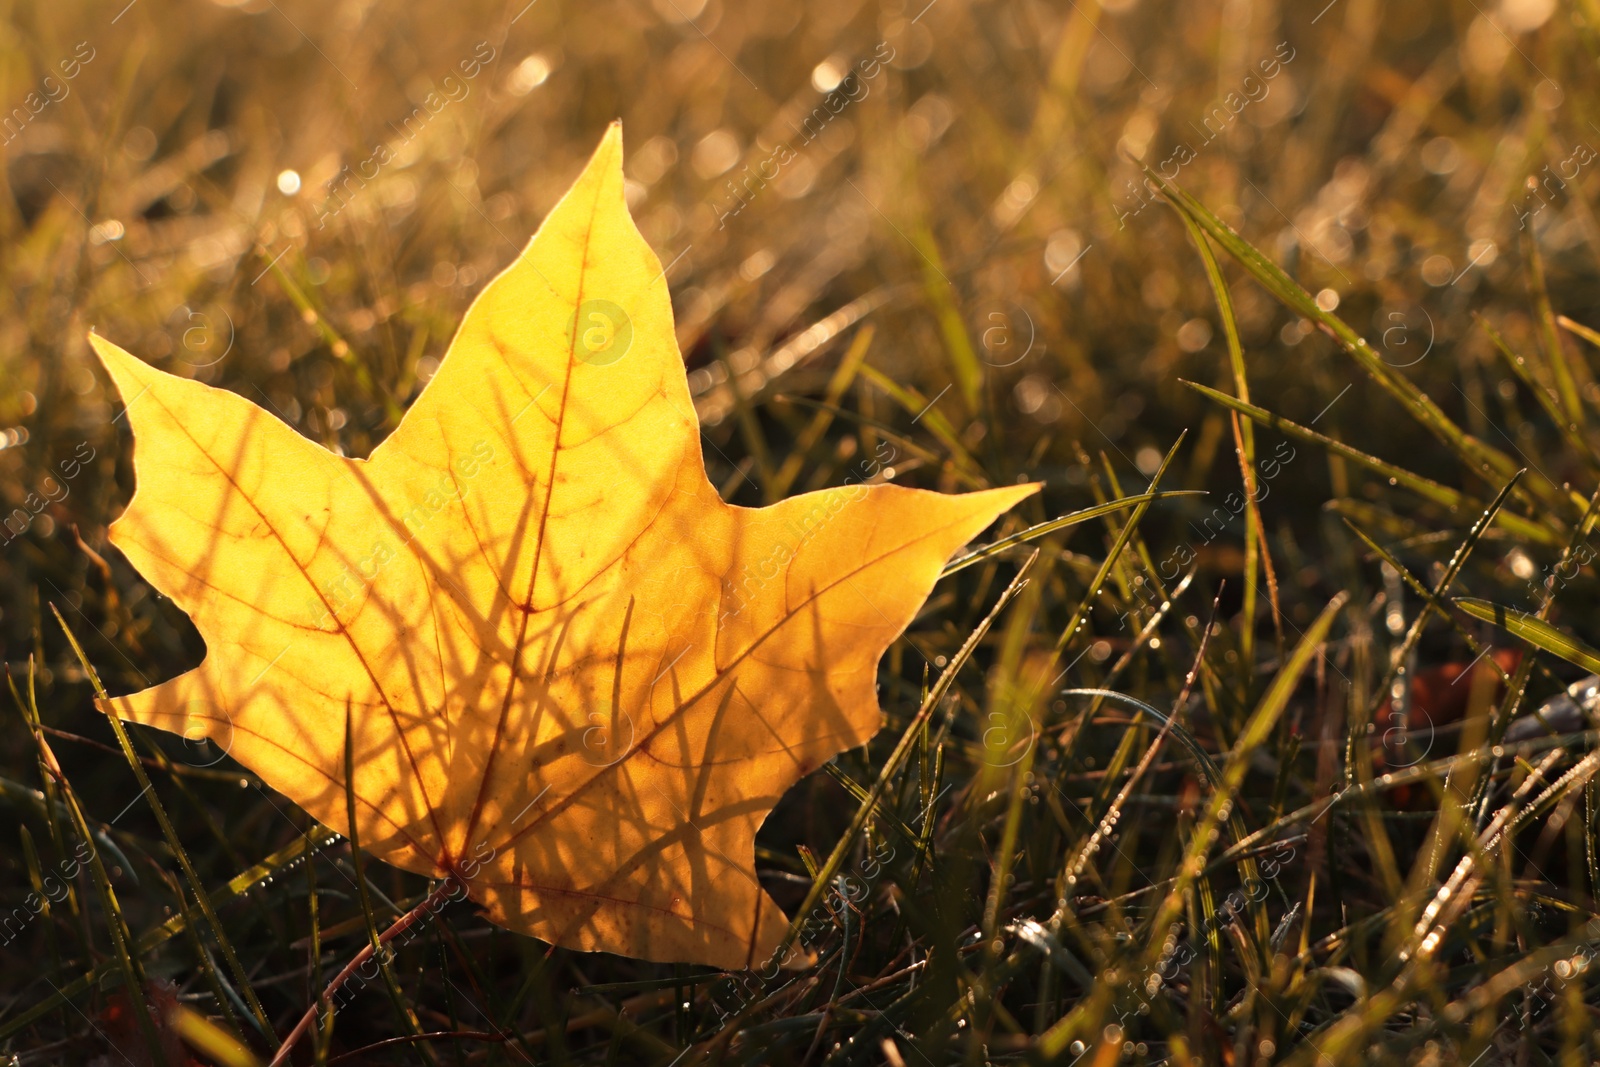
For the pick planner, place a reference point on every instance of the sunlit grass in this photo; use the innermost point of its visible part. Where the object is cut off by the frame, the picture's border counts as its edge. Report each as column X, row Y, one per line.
column 1148, row 802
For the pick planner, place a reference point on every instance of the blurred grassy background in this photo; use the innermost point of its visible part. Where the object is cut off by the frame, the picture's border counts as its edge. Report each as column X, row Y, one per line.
column 297, row 202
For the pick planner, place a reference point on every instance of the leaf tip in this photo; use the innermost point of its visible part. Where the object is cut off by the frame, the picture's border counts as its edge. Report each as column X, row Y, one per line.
column 118, row 362
column 1016, row 494
column 1003, row 498
column 103, row 349
column 608, row 154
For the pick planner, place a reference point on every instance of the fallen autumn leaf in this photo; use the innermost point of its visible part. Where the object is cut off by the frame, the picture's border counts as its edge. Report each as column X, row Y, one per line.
column 577, row 680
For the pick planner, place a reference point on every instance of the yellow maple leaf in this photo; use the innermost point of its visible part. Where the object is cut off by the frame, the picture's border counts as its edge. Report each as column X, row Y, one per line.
column 577, row 680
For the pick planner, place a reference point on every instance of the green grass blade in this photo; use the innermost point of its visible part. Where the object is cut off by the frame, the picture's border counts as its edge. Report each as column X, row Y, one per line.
column 1483, row 460
column 897, row 758
column 1446, row 580
column 1255, row 733
column 1073, row 518
column 127, row 961
column 843, row 376
column 922, row 409
column 403, row 1009
column 964, row 364
column 1437, row 603
column 1246, row 442
column 1115, row 553
column 1424, row 487
column 216, row 1043
column 152, row 939
column 147, row 790
column 967, row 475
column 1578, row 329
column 1554, row 354
column 1519, row 366
column 1534, row 630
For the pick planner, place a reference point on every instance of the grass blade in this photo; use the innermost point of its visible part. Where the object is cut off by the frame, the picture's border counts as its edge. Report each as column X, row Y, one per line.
column 1073, row 518
column 1554, row 354
column 1244, row 437
column 1452, row 569
column 128, row 963
column 147, row 790
column 1114, row 554
column 1534, row 630
column 843, row 377
column 1425, row 487
column 1483, row 460
column 150, row 940
column 892, row 765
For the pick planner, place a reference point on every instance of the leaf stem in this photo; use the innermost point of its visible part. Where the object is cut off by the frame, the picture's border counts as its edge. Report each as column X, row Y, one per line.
column 430, row 904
